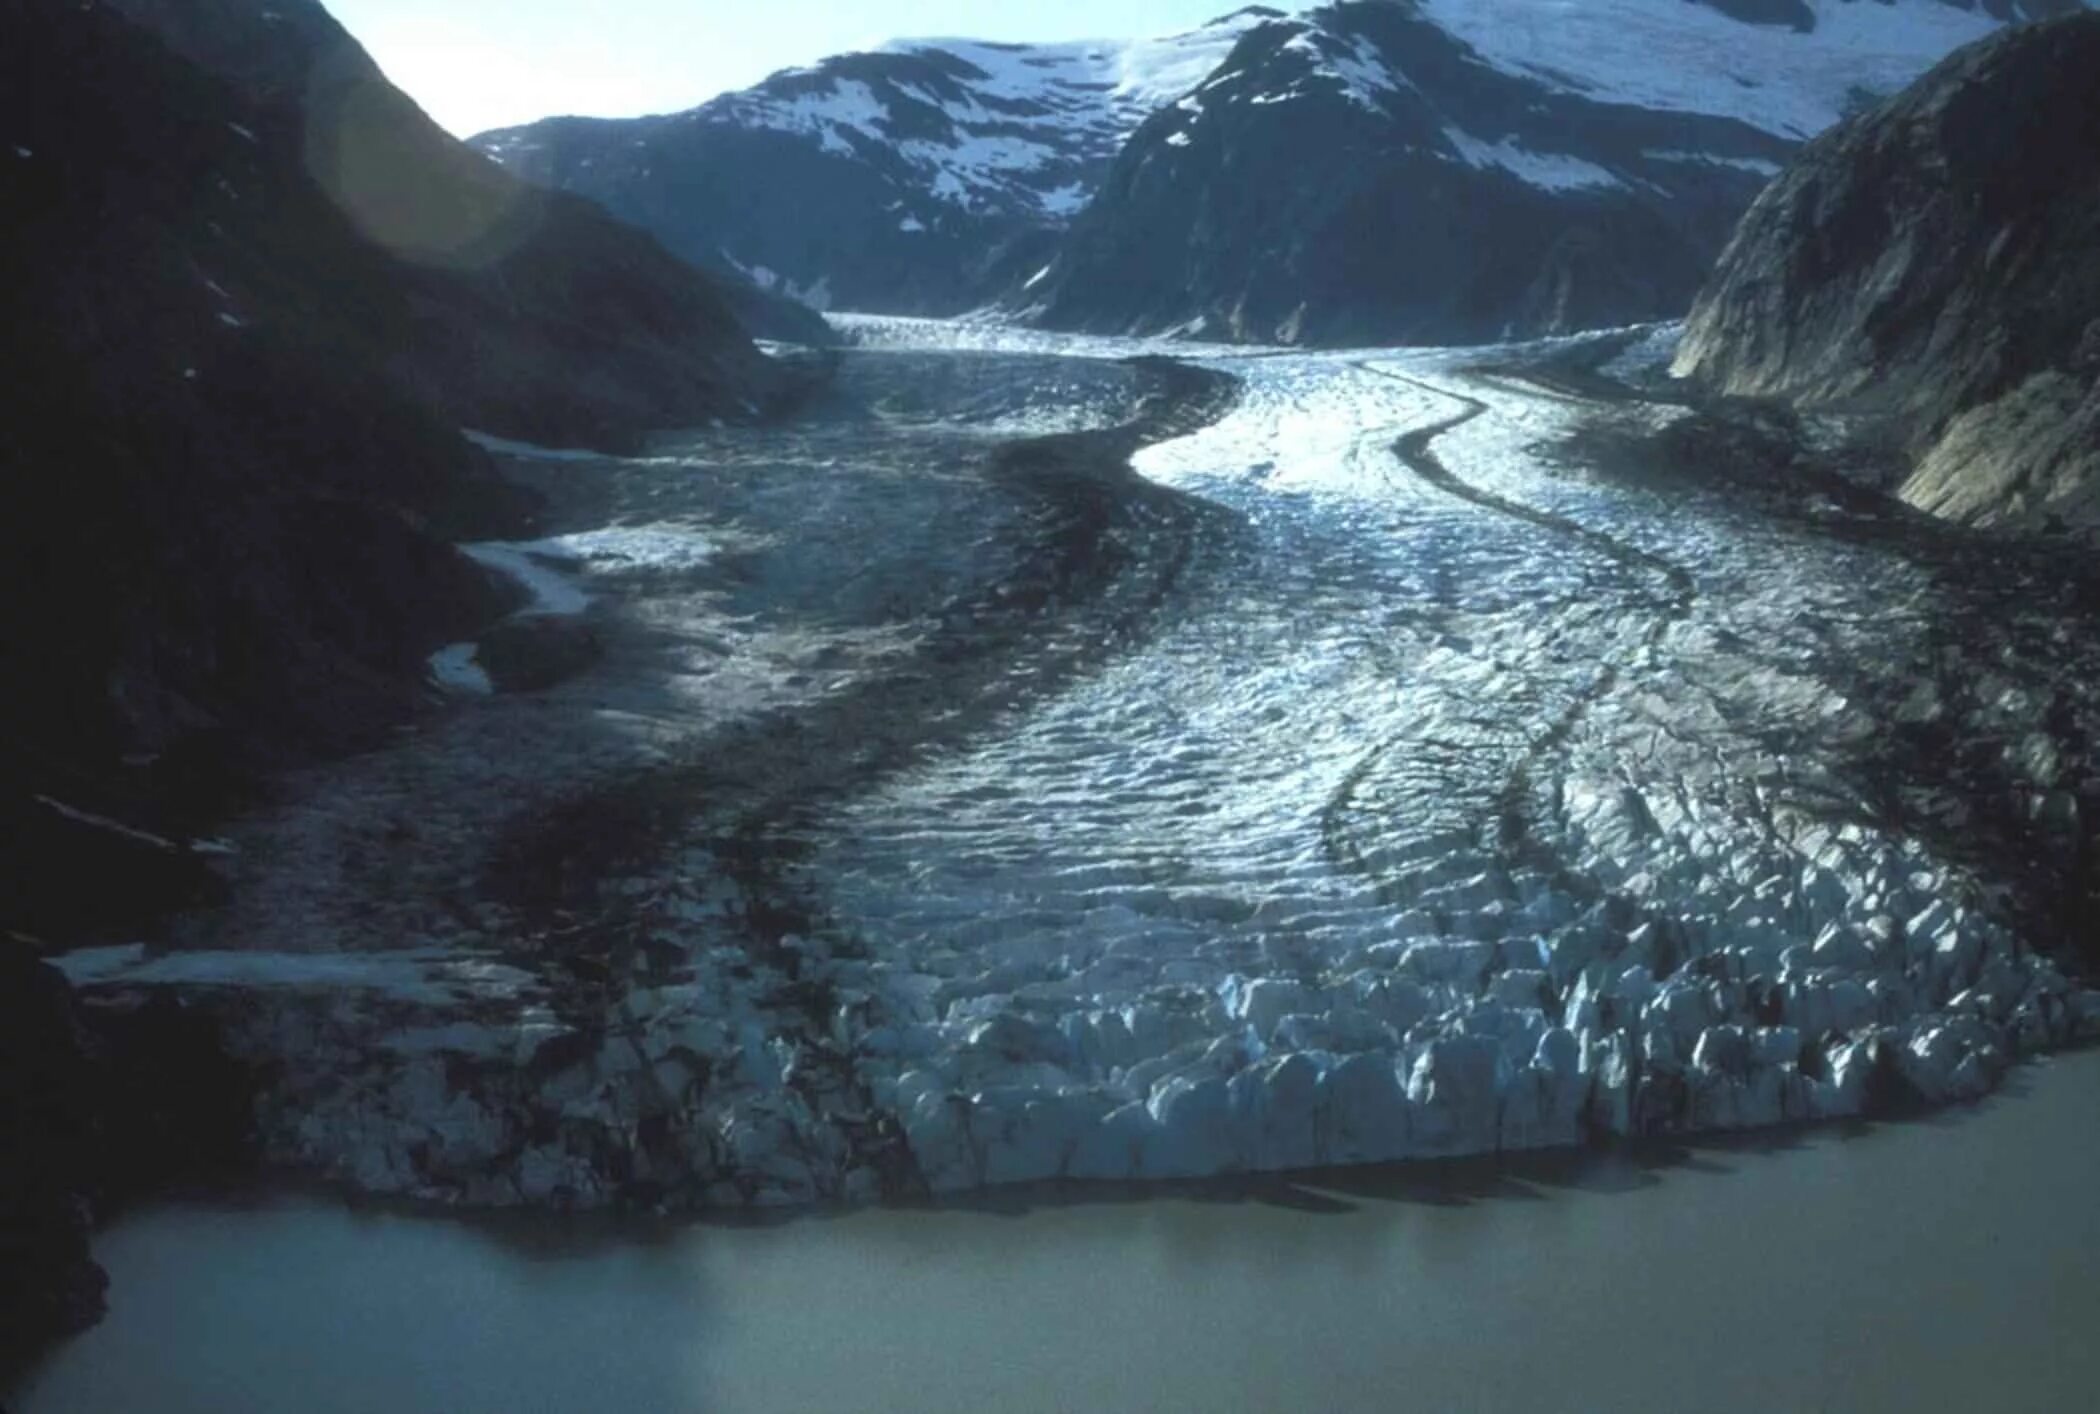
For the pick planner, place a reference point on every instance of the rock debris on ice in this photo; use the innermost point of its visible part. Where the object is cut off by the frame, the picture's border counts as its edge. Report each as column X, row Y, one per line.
column 1249, row 895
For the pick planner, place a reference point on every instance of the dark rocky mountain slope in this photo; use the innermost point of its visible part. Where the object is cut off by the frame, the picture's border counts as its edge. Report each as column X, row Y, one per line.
column 217, row 509
column 536, row 310
column 224, row 480
column 1939, row 258
column 247, row 314
column 97, row 1107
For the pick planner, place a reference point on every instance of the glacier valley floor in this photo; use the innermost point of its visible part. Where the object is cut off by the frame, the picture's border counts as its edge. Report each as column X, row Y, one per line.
column 1422, row 754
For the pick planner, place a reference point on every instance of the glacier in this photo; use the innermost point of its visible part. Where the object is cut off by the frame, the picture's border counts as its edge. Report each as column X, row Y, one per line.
column 1423, row 794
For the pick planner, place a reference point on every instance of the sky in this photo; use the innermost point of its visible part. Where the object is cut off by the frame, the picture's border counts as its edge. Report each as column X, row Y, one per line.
column 480, row 64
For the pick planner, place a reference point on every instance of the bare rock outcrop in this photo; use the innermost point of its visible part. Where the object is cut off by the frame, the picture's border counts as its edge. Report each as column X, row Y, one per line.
column 1934, row 258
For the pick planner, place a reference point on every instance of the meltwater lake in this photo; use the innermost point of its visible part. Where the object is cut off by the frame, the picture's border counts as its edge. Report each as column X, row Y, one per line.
column 1946, row 1263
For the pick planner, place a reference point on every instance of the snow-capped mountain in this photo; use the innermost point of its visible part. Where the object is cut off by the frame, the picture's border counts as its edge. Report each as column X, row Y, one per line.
column 1375, row 169
column 909, row 179
column 1398, row 170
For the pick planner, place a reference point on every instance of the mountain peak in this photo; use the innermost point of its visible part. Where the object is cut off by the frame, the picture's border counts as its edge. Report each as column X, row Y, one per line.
column 915, row 176
column 936, row 176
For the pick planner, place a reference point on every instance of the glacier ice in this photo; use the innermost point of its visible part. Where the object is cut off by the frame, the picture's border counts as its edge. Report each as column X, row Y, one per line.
column 1417, row 829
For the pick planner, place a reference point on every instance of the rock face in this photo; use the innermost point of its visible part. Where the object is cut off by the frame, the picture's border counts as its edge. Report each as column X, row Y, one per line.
column 1935, row 258
column 219, row 497
column 538, row 316
column 49, row 1285
column 94, row 1109
column 248, row 312
column 920, row 179
column 219, row 494
column 1454, row 170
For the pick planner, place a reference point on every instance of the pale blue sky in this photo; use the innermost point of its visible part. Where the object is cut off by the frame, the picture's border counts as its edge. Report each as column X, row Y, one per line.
column 477, row 64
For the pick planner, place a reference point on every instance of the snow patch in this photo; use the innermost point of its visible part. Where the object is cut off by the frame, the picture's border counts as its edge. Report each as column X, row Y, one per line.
column 425, row 976
column 1354, row 63
column 1551, row 171
column 552, row 594
column 1365, row 74
column 1068, row 200
column 503, row 446
column 1082, row 100
column 1759, row 165
column 454, row 668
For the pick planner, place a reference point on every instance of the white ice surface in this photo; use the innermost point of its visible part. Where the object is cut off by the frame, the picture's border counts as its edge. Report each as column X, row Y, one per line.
column 1120, row 940
column 659, row 546
column 1670, row 55
column 524, row 561
column 988, row 334
column 454, row 668
column 532, row 563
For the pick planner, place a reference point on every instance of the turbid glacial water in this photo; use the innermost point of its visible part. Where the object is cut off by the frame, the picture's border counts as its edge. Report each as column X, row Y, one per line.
column 1941, row 1265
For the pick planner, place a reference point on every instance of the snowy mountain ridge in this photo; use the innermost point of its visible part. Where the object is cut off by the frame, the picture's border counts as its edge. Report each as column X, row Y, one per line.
column 1793, row 74
column 1015, row 129
column 1096, row 93
column 1402, row 171
column 934, row 176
